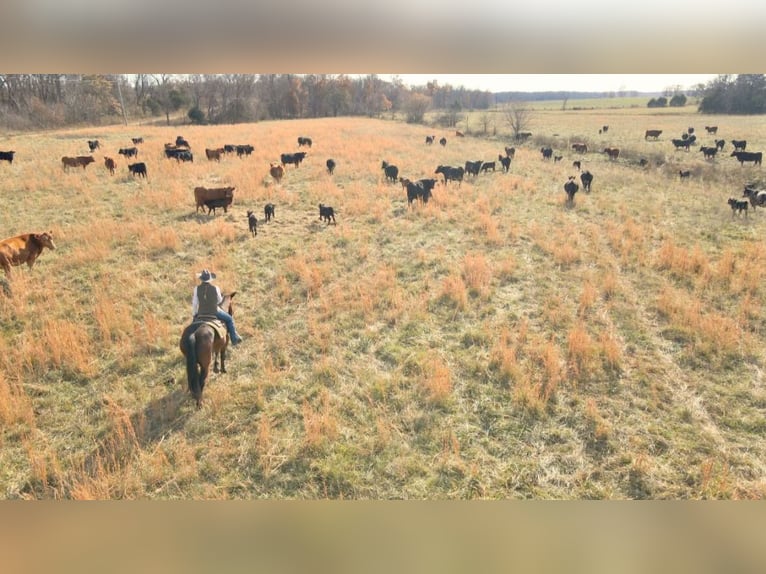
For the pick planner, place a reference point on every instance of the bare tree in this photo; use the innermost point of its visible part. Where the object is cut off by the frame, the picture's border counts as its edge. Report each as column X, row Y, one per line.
column 518, row 119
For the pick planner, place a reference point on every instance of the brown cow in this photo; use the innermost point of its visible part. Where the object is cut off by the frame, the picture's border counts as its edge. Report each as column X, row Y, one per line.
column 214, row 154
column 277, row 171
column 24, row 248
column 612, row 152
column 204, row 194
column 80, row 160
column 109, row 163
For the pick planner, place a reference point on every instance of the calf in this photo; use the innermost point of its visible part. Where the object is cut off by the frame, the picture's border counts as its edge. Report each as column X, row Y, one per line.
column 487, row 165
column 137, row 141
column 391, row 171
column 213, row 204
column 577, row 165
column 612, row 152
column 654, row 134
column 214, row 154
column 326, row 212
column 684, row 174
column 443, row 141
column 557, row 158
column 93, row 145
column 277, row 171
column 252, row 223
column 128, row 151
column 138, row 169
column 510, row 151
column 304, row 141
column 330, row 166
column 739, row 145
column 547, row 152
column 430, row 140
column 571, row 187
column 738, row 206
column 7, row 156
column 25, row 248
column 505, row 161
column 110, row 165
column 586, row 178
column 268, row 211
column 719, row 144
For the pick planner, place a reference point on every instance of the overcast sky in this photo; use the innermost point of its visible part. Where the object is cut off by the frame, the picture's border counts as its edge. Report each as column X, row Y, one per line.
column 556, row 82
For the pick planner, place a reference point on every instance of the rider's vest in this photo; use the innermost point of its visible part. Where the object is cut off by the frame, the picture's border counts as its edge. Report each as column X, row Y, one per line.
column 207, row 295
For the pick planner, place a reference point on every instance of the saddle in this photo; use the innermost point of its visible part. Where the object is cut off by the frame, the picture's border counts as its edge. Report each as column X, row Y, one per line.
column 216, row 324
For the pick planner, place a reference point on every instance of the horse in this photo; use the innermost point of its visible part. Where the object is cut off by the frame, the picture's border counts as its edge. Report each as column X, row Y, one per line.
column 201, row 346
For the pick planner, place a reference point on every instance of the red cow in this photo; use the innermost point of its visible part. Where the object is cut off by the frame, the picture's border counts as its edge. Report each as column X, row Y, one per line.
column 24, row 248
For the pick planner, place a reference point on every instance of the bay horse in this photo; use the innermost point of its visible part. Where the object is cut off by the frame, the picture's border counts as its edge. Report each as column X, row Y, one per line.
column 201, row 345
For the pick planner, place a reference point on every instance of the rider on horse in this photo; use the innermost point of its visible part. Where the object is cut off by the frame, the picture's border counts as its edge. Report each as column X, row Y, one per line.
column 205, row 301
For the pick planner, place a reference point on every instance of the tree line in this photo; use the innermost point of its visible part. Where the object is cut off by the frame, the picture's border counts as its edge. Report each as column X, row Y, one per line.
column 43, row 101
column 741, row 94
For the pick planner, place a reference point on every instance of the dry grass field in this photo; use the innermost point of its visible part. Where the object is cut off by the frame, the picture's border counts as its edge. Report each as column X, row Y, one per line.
column 491, row 344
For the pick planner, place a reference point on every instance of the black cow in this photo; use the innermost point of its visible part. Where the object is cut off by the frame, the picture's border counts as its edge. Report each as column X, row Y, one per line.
column 737, row 205
column 711, row 129
column 709, row 152
column 577, row 164
column 128, row 151
column 743, row 156
column 137, row 141
column 181, row 142
column 487, row 165
column 547, row 152
column 293, row 158
column 505, row 161
column 719, row 144
column 326, row 212
column 652, row 134
column 739, row 145
column 330, row 166
column 268, row 211
column 138, row 169
column 443, row 141
column 472, row 167
column 571, row 187
column 179, row 154
column 679, row 143
column 451, row 173
column 586, row 178
column 510, row 151
column 252, row 223
column 7, row 156
column 391, row 171
column 93, row 145
column 430, row 139
column 246, row 149
column 684, row 174
column 304, row 141
column 229, row 148
column 757, row 198
column 213, row 204
column 523, row 136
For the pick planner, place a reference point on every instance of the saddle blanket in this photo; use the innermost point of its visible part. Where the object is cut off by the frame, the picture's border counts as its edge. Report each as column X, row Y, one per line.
column 216, row 324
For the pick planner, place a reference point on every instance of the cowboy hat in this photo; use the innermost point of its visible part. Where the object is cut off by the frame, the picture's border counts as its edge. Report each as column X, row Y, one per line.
column 206, row 275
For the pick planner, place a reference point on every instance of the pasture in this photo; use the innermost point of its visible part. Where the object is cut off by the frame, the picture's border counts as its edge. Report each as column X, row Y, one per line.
column 494, row 343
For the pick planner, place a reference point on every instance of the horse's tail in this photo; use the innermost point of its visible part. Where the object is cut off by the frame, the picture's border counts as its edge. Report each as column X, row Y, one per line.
column 192, row 375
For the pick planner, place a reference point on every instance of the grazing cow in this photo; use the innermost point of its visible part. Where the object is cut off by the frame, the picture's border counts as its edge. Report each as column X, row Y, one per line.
column 184, row 155
column 330, row 166
column 612, row 152
column 128, row 151
column 246, row 149
column 268, row 211
column 430, row 139
column 213, row 204
column 25, row 248
column 487, row 165
column 652, row 134
column 391, row 171
column 214, row 154
column 577, row 164
column 711, row 129
column 738, row 206
column 472, row 167
column 505, row 161
column 109, row 163
column 293, row 158
column 586, row 178
column 326, row 212
column 719, row 144
column 181, row 142
column 571, row 187
column 451, row 173
column 459, row 134
column 138, row 169
column 80, row 160
column 743, row 156
column 681, row 143
column 7, row 156
column 277, row 171
column 137, row 141
column 739, row 145
column 523, row 136
column 203, row 194
column 580, row 147
column 510, row 151
column 757, row 198
column 304, row 141
column 547, row 152
column 252, row 222
column 684, row 174
column 708, row 152
column 93, row 145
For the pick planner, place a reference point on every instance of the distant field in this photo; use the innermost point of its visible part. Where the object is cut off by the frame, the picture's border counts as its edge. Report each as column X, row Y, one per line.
column 493, row 343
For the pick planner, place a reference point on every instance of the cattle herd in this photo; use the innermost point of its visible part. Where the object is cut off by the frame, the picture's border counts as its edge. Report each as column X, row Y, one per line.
column 27, row 247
